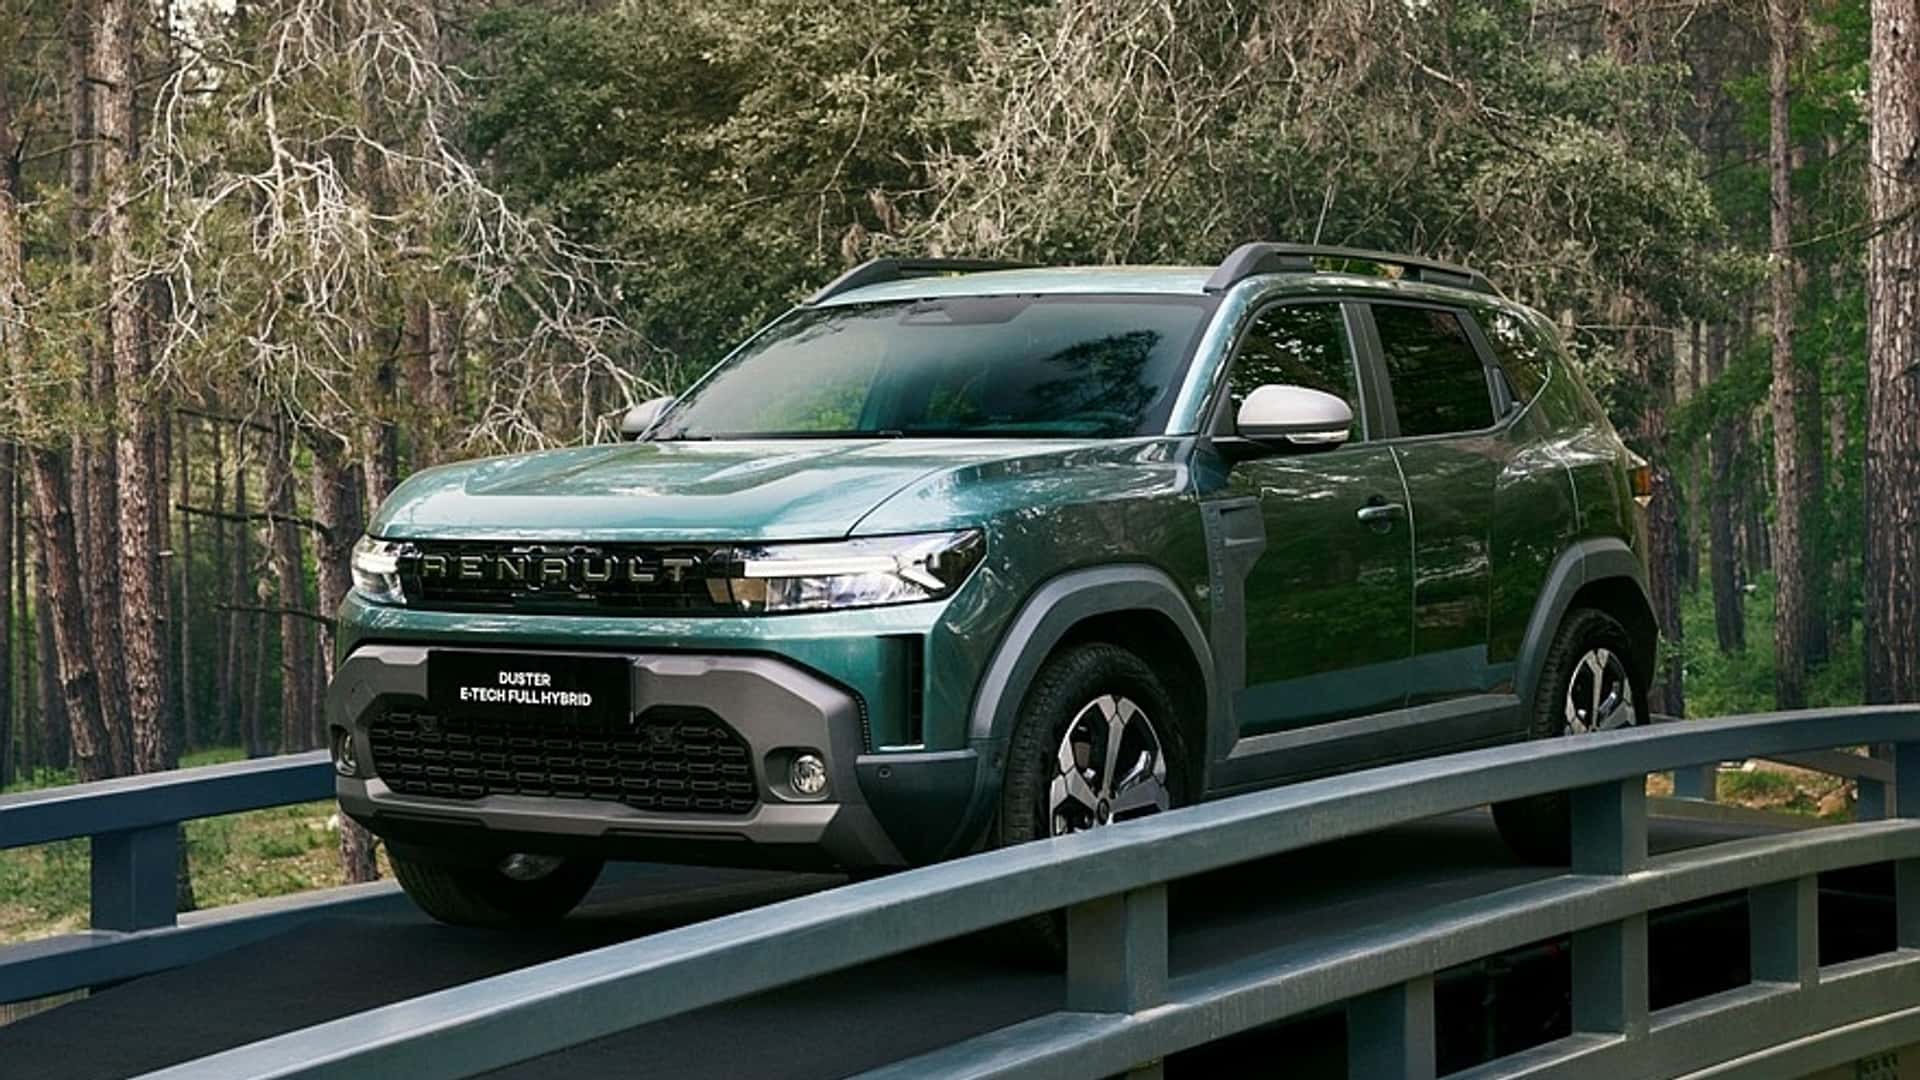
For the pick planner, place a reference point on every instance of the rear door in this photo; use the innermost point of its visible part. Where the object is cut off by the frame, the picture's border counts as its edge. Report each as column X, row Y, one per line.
column 1447, row 409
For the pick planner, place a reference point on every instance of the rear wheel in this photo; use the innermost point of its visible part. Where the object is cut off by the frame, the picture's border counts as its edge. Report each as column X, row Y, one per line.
column 1096, row 742
column 518, row 890
column 1587, row 684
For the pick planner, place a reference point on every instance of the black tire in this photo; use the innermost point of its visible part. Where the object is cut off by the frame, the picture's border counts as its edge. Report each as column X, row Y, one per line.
column 1539, row 829
column 463, row 894
column 1069, row 683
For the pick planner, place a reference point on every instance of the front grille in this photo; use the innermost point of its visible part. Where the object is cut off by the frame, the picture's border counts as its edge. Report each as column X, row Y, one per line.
column 671, row 759
column 624, row 578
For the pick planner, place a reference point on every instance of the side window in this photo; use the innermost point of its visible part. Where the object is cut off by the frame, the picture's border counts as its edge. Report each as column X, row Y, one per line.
column 1439, row 384
column 1297, row 345
column 1523, row 350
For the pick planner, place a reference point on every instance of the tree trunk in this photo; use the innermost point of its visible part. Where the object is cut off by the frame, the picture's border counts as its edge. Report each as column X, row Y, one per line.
column 221, row 619
column 95, row 455
column 95, row 755
column 339, row 504
column 1665, row 545
column 1814, row 538
column 143, row 593
column 8, row 537
column 8, row 752
column 1893, row 366
column 256, row 667
column 381, row 466
column 29, row 645
column 244, row 643
column 183, row 604
column 1840, row 572
column 1696, row 473
column 296, row 731
column 1790, row 479
column 13, row 358
column 1729, row 597
column 55, row 723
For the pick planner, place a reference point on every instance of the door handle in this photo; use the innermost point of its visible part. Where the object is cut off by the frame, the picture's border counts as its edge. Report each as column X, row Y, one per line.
column 1379, row 513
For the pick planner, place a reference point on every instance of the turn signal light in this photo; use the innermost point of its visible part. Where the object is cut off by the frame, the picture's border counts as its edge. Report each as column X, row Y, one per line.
column 1642, row 479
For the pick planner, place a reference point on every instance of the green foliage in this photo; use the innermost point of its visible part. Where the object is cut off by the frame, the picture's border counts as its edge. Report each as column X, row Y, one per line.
column 734, row 156
column 731, row 156
column 1720, row 684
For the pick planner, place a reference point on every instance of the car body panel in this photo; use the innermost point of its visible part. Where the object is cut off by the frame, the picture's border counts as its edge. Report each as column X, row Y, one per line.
column 1337, row 646
column 786, row 489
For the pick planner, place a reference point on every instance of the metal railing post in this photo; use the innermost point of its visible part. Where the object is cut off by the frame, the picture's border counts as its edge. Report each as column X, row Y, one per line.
column 1783, row 935
column 133, row 878
column 1610, row 960
column 1117, row 952
column 1610, row 827
column 1117, row 958
column 1906, row 872
column 1390, row 1033
column 1872, row 800
column 1697, row 782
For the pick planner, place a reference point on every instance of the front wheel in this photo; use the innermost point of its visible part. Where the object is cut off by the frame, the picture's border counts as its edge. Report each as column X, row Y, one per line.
column 518, row 890
column 1587, row 684
column 1096, row 742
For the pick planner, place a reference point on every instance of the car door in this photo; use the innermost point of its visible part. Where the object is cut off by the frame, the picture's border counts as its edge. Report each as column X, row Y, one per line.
column 1325, row 603
column 1446, row 405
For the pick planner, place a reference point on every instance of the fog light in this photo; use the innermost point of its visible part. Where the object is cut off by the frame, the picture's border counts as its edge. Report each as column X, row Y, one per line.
column 344, row 762
column 807, row 774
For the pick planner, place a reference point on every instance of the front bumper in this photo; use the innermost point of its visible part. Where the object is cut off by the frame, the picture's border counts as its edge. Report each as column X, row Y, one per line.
column 774, row 706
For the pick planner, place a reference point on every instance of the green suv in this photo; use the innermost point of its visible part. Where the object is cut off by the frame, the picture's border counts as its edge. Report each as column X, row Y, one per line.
column 958, row 555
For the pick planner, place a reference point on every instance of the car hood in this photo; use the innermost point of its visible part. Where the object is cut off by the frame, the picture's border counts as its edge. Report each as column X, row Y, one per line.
column 737, row 490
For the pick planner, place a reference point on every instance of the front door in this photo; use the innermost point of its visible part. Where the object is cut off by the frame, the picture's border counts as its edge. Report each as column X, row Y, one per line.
column 1327, row 602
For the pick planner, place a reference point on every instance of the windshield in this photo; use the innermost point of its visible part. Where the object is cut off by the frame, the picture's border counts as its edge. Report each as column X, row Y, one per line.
column 986, row 366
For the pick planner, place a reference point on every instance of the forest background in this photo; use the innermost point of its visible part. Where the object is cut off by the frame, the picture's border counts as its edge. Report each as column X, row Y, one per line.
column 261, row 259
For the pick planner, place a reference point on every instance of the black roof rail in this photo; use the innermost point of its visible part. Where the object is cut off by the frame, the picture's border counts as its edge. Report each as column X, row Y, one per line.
column 875, row 271
column 1261, row 258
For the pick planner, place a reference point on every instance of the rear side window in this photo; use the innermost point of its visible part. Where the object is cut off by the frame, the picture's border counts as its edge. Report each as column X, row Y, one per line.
column 1297, row 345
column 1439, row 384
column 1523, row 349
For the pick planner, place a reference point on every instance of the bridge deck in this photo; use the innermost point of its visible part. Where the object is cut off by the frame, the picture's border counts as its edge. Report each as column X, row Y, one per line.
column 847, row 1022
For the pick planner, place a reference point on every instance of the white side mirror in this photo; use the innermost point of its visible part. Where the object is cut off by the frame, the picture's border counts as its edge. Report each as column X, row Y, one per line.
column 641, row 418
column 1295, row 415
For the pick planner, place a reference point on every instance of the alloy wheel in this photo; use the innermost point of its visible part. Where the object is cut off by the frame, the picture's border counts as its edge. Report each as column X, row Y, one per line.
column 1109, row 767
column 1600, row 694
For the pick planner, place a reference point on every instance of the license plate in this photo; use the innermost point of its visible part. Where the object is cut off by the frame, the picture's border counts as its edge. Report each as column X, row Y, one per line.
column 507, row 686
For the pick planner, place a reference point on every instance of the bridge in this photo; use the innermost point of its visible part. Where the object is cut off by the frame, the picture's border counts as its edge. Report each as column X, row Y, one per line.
column 1367, row 925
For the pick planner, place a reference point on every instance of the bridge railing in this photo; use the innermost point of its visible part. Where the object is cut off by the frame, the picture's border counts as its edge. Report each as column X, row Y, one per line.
column 133, row 825
column 1124, row 1009
column 1869, row 772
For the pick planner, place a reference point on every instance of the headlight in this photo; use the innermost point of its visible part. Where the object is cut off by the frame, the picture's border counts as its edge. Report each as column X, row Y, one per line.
column 852, row 573
column 376, row 570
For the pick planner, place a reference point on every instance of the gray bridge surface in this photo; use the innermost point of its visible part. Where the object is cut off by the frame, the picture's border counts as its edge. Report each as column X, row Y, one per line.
column 1369, row 926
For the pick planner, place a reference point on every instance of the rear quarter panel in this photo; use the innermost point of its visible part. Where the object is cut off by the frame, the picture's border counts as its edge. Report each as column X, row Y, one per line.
column 1567, row 483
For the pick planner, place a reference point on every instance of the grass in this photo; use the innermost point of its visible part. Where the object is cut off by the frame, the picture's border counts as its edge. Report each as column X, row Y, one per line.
column 1731, row 684
column 286, row 849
